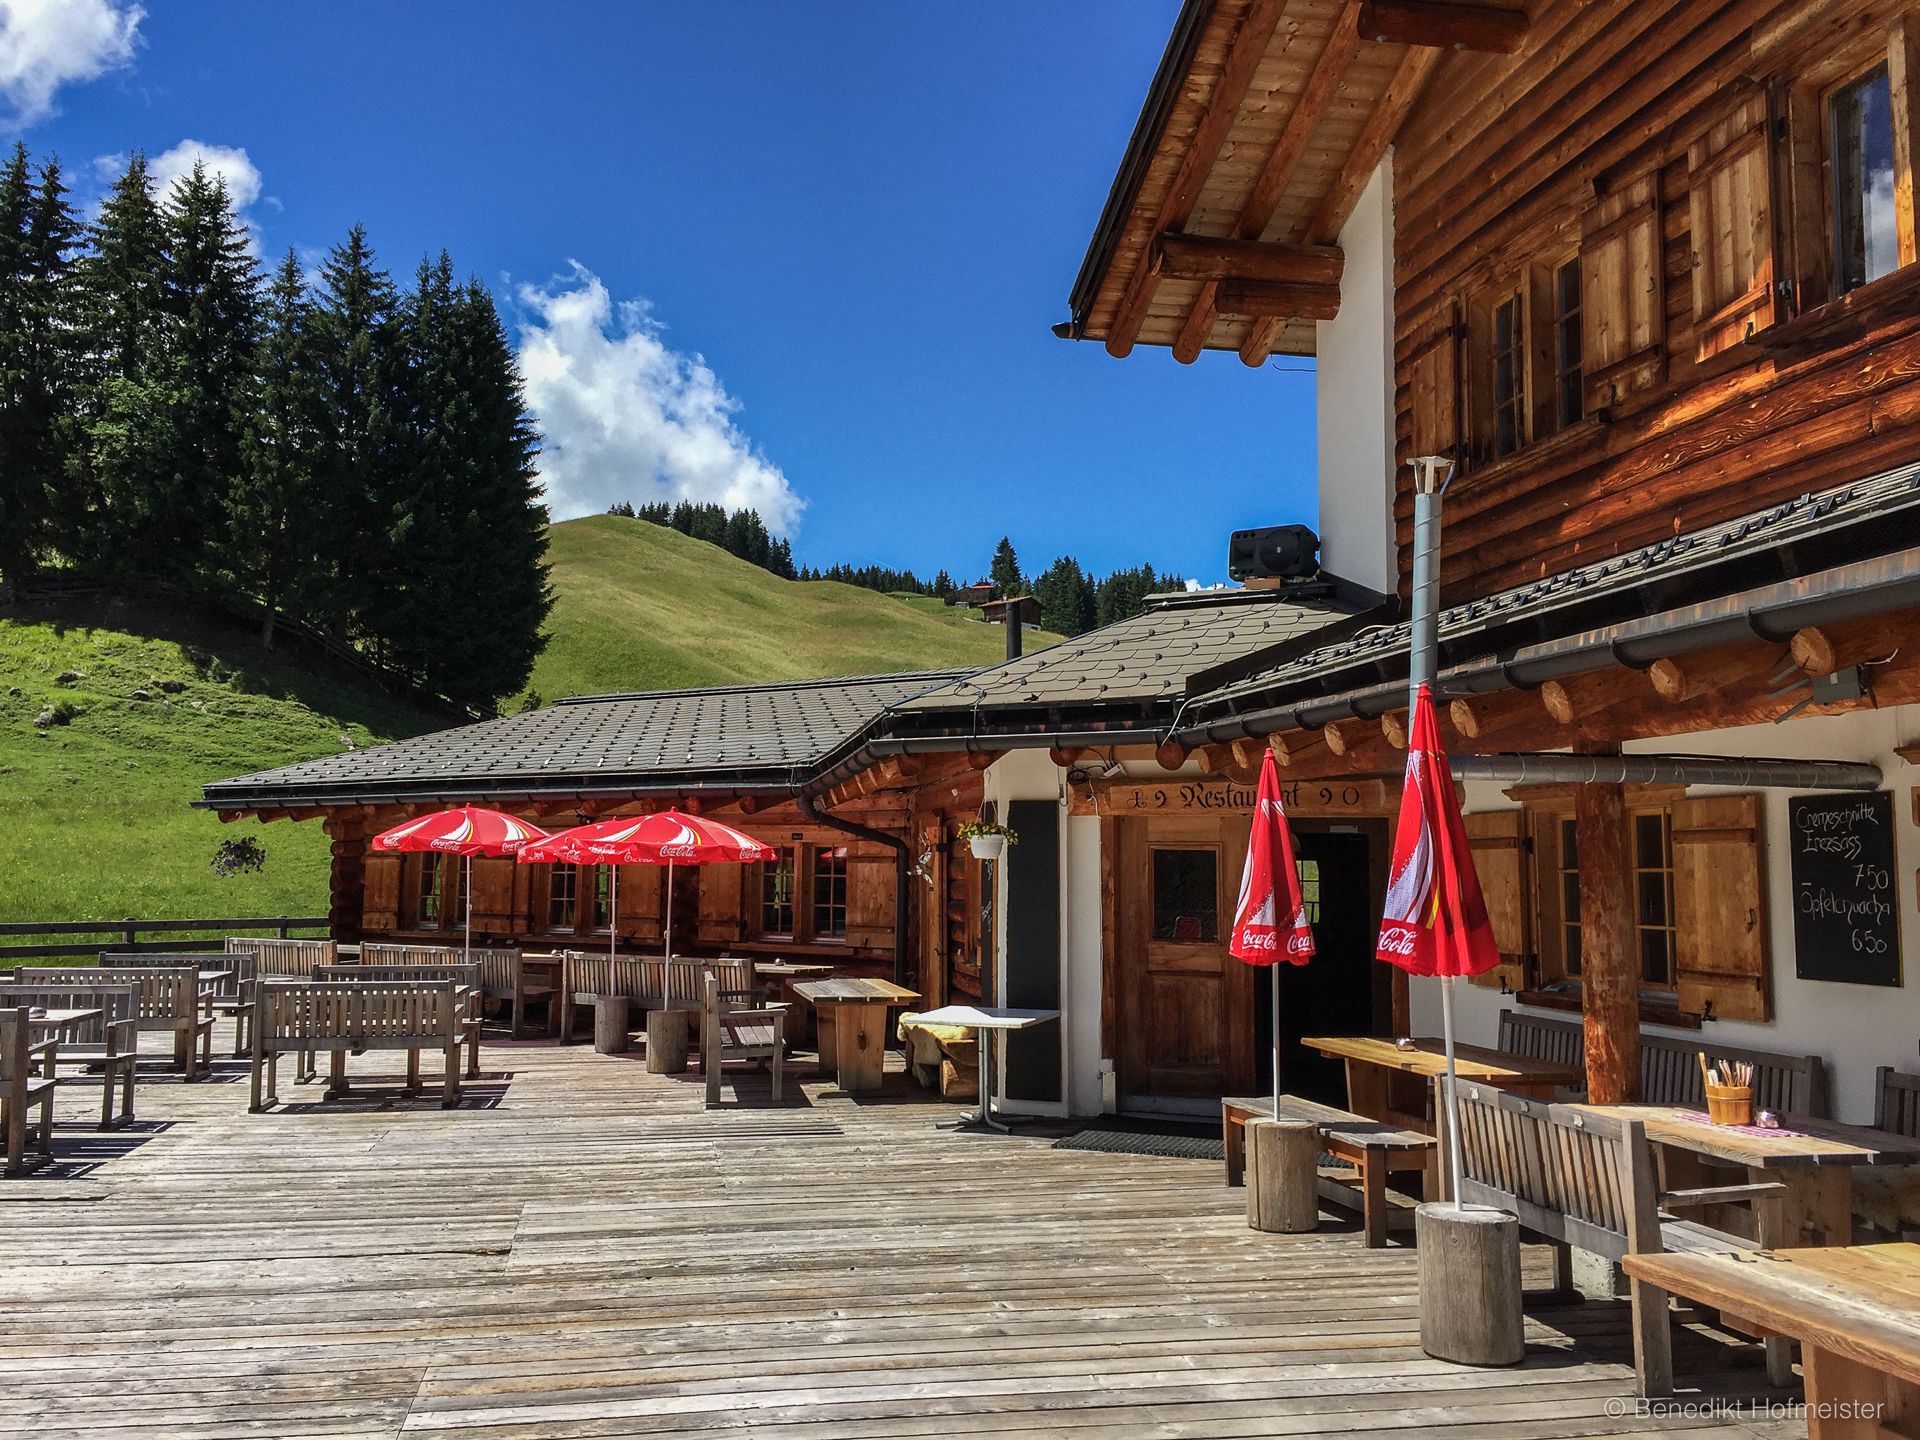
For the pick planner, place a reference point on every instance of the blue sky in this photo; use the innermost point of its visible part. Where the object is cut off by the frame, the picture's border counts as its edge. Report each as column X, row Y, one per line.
column 797, row 252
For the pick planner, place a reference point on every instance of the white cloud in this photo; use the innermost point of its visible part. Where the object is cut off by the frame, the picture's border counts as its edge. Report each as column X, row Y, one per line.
column 229, row 162
column 45, row 44
column 625, row 417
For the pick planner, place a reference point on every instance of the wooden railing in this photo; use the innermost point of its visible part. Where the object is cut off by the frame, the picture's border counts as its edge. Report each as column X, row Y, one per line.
column 125, row 934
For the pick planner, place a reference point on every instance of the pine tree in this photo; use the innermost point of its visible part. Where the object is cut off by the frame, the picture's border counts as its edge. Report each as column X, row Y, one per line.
column 273, row 504
column 37, row 234
column 121, row 510
column 1066, row 597
column 943, row 584
column 361, row 510
column 213, row 297
column 1005, row 572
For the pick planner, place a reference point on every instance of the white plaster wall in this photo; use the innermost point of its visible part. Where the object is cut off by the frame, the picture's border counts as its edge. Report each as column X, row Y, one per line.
column 1856, row 1028
column 1088, row 1090
column 1354, row 395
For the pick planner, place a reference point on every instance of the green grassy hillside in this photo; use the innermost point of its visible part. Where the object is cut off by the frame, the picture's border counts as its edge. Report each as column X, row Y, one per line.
column 97, row 818
column 642, row 607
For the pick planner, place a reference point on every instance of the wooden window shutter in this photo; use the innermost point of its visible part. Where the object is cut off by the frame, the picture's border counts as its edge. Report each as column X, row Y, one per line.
column 1498, row 841
column 1433, row 389
column 492, row 894
column 870, row 900
column 722, row 901
column 1622, row 304
column 380, row 893
column 1730, row 180
column 1720, row 907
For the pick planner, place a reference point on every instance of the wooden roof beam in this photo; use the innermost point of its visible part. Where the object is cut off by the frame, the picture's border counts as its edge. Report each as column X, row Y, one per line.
column 1271, row 183
column 1324, row 229
column 1244, row 54
column 1202, row 257
column 1443, row 25
column 1275, row 300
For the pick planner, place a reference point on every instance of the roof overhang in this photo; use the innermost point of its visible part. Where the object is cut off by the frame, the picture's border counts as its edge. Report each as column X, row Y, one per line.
column 1262, row 127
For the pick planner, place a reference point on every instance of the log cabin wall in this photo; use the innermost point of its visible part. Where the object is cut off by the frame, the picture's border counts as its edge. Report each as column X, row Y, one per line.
column 1664, row 174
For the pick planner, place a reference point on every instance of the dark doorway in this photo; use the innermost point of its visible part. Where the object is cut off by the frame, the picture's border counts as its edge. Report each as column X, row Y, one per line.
column 1337, row 992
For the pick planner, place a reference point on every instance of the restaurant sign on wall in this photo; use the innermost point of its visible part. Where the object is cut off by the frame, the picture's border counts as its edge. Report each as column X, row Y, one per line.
column 1177, row 797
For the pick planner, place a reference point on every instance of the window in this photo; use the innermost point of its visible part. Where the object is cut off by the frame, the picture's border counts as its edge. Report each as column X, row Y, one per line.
column 1569, row 398
column 830, row 892
column 442, row 895
column 1309, row 872
column 776, row 894
column 563, row 889
column 601, row 904
column 1567, row 878
column 1866, row 242
column 1507, row 353
column 1653, row 897
column 1186, row 896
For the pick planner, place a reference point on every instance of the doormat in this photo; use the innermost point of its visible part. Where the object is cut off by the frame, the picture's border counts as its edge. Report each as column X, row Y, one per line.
column 1119, row 1141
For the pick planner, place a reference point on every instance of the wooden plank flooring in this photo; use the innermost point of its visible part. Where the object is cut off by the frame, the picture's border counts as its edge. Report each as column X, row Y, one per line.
column 583, row 1250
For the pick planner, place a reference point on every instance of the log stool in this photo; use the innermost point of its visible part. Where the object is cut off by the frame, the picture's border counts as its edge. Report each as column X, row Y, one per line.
column 610, row 1024
column 1469, row 1284
column 666, row 1041
column 1283, row 1176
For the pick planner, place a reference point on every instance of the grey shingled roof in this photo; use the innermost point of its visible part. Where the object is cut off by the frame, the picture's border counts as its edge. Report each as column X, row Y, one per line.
column 1153, row 656
column 1793, row 537
column 606, row 739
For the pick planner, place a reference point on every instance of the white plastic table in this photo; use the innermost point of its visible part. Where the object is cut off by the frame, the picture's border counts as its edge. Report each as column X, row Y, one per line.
column 989, row 1021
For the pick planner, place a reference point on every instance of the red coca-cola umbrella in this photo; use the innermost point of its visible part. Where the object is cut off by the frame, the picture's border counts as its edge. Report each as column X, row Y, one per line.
column 1436, row 921
column 466, row 832
column 668, row 837
column 1270, row 920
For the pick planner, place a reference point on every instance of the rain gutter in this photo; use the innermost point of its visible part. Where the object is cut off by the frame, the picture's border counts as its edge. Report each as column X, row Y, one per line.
column 1744, row 772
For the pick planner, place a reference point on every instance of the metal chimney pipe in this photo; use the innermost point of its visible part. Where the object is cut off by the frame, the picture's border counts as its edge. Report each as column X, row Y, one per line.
column 1010, row 617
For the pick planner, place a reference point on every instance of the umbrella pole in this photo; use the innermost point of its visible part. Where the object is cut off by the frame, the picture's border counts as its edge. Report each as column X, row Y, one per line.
column 613, row 911
column 1274, row 973
column 1452, row 1096
column 466, row 944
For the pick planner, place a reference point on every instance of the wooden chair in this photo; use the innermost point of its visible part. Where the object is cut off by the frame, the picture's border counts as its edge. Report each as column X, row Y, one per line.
column 1541, row 1037
column 104, row 1050
column 22, row 1091
column 172, row 1000
column 287, row 958
column 1896, row 1102
column 732, row 1033
column 223, row 996
column 536, row 980
column 585, row 975
column 1575, row 1178
column 465, row 977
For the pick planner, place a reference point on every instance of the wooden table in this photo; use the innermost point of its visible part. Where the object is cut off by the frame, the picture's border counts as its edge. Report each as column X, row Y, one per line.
column 1372, row 1063
column 1854, row 1309
column 853, row 1026
column 988, row 1021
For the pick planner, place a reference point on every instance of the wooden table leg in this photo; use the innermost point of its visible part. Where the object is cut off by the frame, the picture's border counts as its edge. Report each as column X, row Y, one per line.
column 823, row 1037
column 336, row 1073
column 859, row 1047
column 1233, row 1136
column 1816, row 1210
column 1847, row 1400
column 1373, row 1199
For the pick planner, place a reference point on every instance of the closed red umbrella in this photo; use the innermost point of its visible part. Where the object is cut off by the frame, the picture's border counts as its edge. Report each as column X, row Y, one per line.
column 468, row 831
column 1436, row 920
column 1270, row 921
column 668, row 837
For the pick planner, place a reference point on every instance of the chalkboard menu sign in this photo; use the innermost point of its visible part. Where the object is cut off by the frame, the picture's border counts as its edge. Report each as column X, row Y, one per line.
column 1846, row 911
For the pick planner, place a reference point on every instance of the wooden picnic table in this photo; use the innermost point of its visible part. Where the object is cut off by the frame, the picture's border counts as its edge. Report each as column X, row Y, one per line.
column 1854, row 1309
column 852, row 1023
column 780, row 977
column 1373, row 1062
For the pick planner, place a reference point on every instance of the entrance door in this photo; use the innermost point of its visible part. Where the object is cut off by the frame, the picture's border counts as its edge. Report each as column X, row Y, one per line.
column 1342, row 990
column 1182, row 1001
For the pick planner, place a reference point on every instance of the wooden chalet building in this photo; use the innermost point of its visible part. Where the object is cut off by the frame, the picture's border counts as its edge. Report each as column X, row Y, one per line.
column 1644, row 272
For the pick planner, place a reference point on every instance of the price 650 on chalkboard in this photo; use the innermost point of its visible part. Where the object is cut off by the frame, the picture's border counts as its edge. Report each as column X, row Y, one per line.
column 1846, row 919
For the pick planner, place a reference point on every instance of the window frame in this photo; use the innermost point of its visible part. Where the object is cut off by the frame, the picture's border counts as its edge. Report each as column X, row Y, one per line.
column 807, row 928
column 837, row 876
column 571, row 925
column 449, row 909
column 1547, row 824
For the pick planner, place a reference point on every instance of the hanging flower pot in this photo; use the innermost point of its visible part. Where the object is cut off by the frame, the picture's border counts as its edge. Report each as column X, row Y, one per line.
column 987, row 841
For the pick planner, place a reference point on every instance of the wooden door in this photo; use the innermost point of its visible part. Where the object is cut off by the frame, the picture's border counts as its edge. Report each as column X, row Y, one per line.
column 1184, row 1014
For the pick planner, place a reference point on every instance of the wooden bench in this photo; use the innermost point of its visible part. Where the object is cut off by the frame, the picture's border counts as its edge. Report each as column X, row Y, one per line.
column 1373, row 1148
column 1575, row 1178
column 104, row 1050
column 465, row 977
column 1896, row 1102
column 1670, row 1065
column 586, row 975
column 733, row 1032
column 229, row 993
column 23, row 1089
column 172, row 1000
column 342, row 1017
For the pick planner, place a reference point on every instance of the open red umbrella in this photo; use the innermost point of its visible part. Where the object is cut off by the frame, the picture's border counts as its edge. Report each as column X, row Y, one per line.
column 1436, row 921
column 668, row 837
column 1270, row 921
column 466, row 832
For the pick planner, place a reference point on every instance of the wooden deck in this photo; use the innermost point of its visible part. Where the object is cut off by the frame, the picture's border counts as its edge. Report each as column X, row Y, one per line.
column 582, row 1249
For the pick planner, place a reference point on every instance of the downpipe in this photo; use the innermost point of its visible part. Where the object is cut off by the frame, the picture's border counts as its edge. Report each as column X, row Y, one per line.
column 809, row 806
